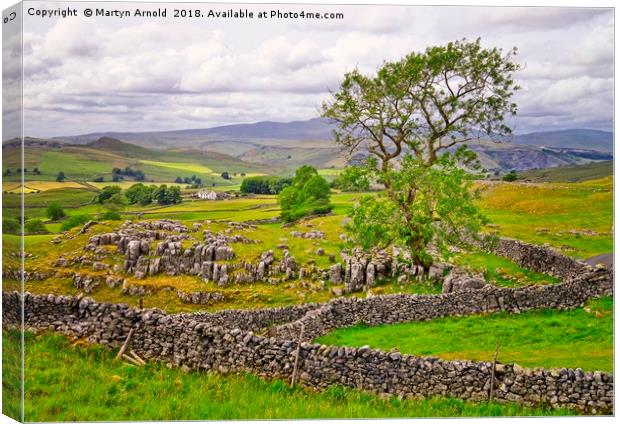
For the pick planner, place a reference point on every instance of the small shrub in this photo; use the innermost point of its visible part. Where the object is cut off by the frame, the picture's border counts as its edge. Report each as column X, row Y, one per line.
column 34, row 226
column 75, row 221
column 55, row 211
column 111, row 216
column 510, row 177
column 10, row 226
column 107, row 193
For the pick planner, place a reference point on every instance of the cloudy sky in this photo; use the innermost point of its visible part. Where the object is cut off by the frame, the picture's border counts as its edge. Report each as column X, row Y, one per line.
column 108, row 74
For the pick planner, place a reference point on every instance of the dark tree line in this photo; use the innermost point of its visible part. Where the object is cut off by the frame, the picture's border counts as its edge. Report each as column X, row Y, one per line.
column 264, row 185
column 119, row 174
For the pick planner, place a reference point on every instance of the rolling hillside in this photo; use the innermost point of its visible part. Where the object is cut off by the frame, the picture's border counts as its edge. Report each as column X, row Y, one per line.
column 571, row 174
column 96, row 160
column 286, row 145
column 311, row 130
column 575, row 139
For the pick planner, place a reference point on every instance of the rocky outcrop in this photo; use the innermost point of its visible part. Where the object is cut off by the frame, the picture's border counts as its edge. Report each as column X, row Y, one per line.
column 309, row 234
column 87, row 283
column 459, row 280
column 363, row 269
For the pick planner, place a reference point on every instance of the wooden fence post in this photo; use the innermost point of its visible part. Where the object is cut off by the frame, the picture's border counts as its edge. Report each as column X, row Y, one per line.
column 301, row 336
column 492, row 388
column 124, row 346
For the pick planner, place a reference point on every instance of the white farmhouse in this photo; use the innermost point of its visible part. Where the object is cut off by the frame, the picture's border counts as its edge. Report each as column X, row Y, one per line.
column 211, row 195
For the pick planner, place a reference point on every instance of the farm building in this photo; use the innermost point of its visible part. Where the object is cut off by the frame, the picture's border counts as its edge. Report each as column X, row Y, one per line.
column 211, row 195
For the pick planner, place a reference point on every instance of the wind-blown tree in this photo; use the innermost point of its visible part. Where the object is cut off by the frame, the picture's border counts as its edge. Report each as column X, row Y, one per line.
column 411, row 117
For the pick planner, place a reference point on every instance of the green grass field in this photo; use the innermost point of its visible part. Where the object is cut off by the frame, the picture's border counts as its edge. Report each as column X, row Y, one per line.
column 581, row 338
column 73, row 382
column 576, row 218
column 85, row 163
column 502, row 271
column 572, row 174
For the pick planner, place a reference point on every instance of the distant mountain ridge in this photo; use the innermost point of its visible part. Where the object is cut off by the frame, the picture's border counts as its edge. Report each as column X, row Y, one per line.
column 290, row 144
column 574, row 138
column 319, row 129
column 316, row 129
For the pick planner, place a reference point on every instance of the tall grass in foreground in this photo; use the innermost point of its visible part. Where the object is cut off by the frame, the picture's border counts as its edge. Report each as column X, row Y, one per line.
column 66, row 382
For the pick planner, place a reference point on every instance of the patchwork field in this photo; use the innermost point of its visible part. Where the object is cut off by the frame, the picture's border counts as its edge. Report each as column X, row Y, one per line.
column 82, row 163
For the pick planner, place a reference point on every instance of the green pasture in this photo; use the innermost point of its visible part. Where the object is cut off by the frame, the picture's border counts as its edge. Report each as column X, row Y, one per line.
column 77, row 382
column 580, row 338
column 576, row 218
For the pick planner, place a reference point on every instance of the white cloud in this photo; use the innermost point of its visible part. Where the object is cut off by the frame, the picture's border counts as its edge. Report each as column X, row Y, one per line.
column 167, row 74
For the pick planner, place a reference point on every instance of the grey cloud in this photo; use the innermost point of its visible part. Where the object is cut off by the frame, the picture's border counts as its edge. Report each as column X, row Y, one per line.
column 148, row 75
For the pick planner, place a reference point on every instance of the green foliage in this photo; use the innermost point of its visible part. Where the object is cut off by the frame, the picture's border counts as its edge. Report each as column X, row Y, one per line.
column 75, row 221
column 107, row 193
column 140, row 193
column 419, row 107
column 119, row 174
column 165, row 195
column 353, row 178
column 144, row 195
column 548, row 338
column 11, row 226
column 423, row 204
column 84, row 383
column 111, row 216
column 264, row 184
column 34, row 226
column 511, row 176
column 61, row 177
column 308, row 194
column 426, row 102
column 225, row 175
column 369, row 225
column 55, row 211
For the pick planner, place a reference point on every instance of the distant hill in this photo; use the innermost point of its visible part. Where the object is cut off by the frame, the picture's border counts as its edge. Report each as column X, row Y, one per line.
column 95, row 161
column 115, row 145
column 574, row 139
column 316, row 129
column 286, row 145
column 572, row 174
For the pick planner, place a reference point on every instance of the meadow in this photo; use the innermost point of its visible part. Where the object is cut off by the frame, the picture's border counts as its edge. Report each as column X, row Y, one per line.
column 72, row 381
column 581, row 338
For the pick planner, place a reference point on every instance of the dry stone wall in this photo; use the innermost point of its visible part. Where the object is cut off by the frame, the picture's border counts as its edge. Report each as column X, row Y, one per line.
column 540, row 258
column 226, row 341
column 192, row 342
column 372, row 311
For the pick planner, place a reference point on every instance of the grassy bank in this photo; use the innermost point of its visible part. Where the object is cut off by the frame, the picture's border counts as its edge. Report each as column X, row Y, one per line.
column 66, row 382
column 579, row 338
